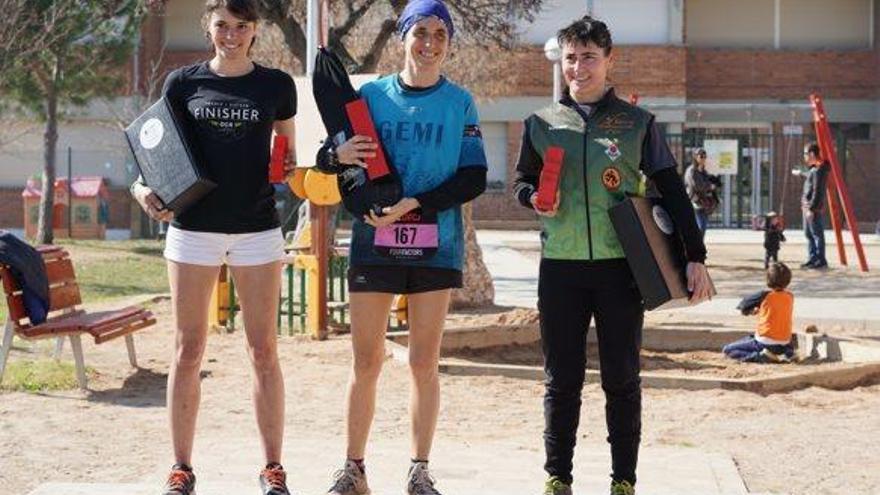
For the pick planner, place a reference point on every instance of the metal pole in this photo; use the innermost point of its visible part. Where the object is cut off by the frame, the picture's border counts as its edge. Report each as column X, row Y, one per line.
column 557, row 82
column 313, row 12
column 70, row 192
column 836, row 185
column 725, row 212
column 319, row 216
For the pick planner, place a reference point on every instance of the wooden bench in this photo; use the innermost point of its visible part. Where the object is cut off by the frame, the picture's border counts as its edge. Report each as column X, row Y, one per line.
column 65, row 318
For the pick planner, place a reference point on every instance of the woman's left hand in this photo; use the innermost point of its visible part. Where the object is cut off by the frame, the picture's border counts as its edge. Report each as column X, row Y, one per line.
column 289, row 163
column 698, row 283
column 392, row 214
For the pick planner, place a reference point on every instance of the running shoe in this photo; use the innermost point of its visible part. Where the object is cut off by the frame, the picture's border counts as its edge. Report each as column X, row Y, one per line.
column 273, row 480
column 622, row 488
column 419, row 480
column 181, row 481
column 555, row 486
column 350, row 480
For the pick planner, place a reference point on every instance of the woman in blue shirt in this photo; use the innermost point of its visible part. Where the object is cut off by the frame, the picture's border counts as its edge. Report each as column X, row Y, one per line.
column 430, row 131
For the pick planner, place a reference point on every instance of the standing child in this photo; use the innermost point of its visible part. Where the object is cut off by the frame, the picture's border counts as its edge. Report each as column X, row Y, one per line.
column 771, row 342
column 773, row 236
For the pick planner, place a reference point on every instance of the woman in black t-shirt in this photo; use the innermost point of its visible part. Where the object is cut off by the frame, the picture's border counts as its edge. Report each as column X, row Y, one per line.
column 231, row 108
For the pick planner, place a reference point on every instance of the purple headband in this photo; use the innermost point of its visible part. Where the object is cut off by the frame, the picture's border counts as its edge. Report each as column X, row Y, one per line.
column 416, row 10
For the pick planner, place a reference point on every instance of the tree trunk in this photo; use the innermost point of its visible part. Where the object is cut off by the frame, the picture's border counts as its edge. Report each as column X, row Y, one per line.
column 295, row 38
column 478, row 289
column 371, row 59
column 45, row 235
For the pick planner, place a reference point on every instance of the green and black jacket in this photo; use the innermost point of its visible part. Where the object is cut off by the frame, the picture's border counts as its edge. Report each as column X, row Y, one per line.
column 611, row 147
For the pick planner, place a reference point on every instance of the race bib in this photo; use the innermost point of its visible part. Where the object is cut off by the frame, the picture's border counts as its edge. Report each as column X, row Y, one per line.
column 415, row 236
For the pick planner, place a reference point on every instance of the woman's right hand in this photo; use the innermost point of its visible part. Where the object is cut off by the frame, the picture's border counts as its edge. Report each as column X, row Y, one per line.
column 152, row 204
column 356, row 150
column 544, row 213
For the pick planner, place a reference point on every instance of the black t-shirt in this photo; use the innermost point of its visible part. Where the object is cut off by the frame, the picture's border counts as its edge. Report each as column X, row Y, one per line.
column 229, row 122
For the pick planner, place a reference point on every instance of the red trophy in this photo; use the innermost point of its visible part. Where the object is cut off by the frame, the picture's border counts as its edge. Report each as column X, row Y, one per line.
column 345, row 114
column 548, row 184
column 276, row 165
column 362, row 124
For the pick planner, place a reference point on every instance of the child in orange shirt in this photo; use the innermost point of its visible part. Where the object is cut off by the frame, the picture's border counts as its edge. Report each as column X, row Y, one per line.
column 771, row 341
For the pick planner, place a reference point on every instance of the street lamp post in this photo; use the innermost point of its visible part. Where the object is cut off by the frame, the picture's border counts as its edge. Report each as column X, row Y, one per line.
column 319, row 216
column 554, row 54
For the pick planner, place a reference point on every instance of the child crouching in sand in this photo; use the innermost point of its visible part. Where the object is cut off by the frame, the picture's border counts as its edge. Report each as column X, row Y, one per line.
column 771, row 341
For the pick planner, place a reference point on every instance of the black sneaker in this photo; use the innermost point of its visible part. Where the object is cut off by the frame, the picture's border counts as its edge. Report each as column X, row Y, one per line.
column 273, row 480
column 181, row 481
column 808, row 264
column 821, row 265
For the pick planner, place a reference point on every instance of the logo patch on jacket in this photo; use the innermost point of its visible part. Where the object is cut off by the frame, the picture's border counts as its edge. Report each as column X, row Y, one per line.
column 611, row 179
column 611, row 148
column 617, row 122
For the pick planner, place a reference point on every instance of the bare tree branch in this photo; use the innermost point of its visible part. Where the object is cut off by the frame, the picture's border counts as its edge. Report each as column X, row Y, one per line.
column 360, row 30
column 371, row 59
column 354, row 16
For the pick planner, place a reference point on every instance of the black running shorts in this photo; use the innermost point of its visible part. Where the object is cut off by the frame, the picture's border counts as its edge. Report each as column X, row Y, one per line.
column 401, row 279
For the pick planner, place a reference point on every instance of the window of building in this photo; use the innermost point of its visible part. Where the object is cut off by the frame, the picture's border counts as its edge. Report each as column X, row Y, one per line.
column 82, row 214
column 495, row 142
column 650, row 26
column 722, row 23
column 823, row 24
column 781, row 24
column 852, row 131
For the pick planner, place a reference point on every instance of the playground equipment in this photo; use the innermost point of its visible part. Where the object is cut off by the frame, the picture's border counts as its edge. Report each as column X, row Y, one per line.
column 298, row 309
column 838, row 194
column 81, row 209
column 321, row 189
column 836, row 186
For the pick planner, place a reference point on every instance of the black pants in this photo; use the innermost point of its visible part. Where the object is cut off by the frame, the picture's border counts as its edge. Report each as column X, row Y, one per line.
column 570, row 293
column 770, row 254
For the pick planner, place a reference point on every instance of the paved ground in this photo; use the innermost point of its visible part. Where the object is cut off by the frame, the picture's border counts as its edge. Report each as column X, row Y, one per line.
column 516, row 276
column 467, row 470
column 227, row 466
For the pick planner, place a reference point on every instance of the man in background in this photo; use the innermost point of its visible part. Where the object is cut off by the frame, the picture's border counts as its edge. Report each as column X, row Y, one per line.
column 813, row 206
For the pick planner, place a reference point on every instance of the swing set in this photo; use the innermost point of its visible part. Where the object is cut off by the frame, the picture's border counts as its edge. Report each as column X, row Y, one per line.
column 838, row 195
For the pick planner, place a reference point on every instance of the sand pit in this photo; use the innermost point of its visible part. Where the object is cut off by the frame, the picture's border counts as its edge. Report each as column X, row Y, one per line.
column 702, row 363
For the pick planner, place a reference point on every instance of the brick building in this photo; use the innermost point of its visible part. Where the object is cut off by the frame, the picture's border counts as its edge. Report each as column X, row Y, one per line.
column 708, row 68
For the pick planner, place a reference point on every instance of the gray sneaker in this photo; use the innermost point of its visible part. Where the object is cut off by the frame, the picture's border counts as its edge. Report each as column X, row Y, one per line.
column 419, row 480
column 350, row 480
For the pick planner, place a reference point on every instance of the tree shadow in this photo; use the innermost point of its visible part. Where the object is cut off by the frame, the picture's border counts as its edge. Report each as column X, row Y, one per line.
column 148, row 250
column 144, row 388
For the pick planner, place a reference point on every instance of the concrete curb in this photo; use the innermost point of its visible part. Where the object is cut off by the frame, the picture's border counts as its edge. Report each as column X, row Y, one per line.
column 863, row 359
column 840, row 378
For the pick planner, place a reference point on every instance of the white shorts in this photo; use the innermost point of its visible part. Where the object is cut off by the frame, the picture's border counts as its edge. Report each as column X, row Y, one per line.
column 215, row 249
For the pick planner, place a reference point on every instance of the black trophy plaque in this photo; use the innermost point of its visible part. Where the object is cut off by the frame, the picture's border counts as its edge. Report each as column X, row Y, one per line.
column 166, row 162
column 654, row 251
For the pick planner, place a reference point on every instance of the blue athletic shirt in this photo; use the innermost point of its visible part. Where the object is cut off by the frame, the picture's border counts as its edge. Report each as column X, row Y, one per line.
column 428, row 135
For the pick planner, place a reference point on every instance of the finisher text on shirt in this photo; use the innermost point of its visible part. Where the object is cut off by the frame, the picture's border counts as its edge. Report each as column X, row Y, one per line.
column 227, row 113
